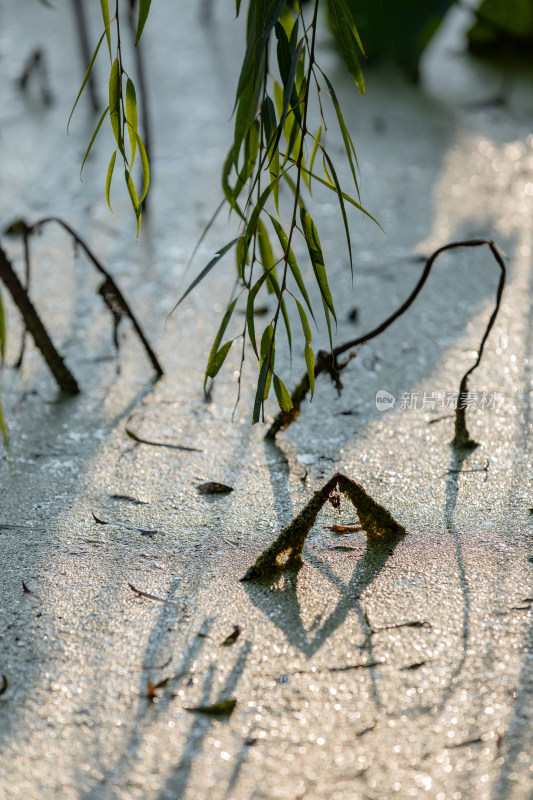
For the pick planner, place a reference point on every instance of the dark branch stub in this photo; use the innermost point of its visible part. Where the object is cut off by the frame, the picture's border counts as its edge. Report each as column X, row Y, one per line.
column 286, row 551
column 329, row 362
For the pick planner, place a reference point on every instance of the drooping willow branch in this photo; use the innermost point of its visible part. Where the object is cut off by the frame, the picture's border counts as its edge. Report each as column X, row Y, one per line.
column 273, row 152
column 286, row 551
column 110, row 292
column 328, row 362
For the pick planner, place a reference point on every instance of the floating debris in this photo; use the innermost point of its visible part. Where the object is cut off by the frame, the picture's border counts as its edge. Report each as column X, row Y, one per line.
column 222, row 709
column 234, row 635
column 126, row 526
column 214, row 488
column 30, row 593
column 126, row 498
column 3, row 685
column 340, row 529
column 140, row 593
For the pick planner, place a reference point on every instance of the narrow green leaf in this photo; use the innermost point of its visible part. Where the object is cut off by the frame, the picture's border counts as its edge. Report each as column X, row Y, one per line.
column 259, row 394
column 265, row 373
column 344, row 195
column 265, row 248
column 341, row 26
column 108, row 179
column 114, row 103
column 250, row 321
column 341, row 204
column 207, row 269
column 289, row 86
column 347, row 139
column 131, row 118
column 317, row 259
column 284, row 398
column 95, row 134
column 134, row 199
column 146, row 167
column 348, row 15
column 328, row 321
column 105, row 16
column 3, row 428
column 217, row 356
column 144, row 8
column 216, row 361
column 284, row 242
column 310, row 364
column 237, row 7
column 315, row 148
column 305, row 322
column 89, row 68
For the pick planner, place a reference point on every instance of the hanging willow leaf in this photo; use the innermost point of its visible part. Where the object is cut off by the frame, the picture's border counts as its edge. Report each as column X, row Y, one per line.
column 145, row 165
column 105, row 16
column 347, row 139
column 337, row 185
column 343, row 27
column 86, row 78
column 250, row 319
column 134, row 199
column 309, row 355
column 218, row 354
column 114, row 104
column 283, row 396
column 317, row 259
column 265, row 373
column 131, row 117
column 144, row 8
column 108, row 179
column 344, row 195
column 206, row 270
column 95, row 134
column 291, row 259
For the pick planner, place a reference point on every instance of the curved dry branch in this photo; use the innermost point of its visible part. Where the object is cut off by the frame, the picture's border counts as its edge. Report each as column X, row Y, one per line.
column 286, row 551
column 328, row 362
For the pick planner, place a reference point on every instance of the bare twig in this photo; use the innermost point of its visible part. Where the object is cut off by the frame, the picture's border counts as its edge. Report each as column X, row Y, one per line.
column 65, row 379
column 329, row 362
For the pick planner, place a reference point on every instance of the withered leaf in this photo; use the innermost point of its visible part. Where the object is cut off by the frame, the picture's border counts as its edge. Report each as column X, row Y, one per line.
column 340, row 529
column 222, row 709
column 234, row 635
column 30, row 593
column 214, row 488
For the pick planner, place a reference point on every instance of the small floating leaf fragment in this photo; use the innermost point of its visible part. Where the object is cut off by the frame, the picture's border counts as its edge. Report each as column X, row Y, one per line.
column 30, row 593
column 126, row 498
column 139, row 593
column 234, row 635
column 126, row 526
column 340, row 529
column 222, row 709
column 212, row 487
column 3, row 685
column 139, row 440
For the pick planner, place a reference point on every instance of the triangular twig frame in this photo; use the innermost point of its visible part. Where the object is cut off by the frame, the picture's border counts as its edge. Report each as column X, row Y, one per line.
column 286, row 551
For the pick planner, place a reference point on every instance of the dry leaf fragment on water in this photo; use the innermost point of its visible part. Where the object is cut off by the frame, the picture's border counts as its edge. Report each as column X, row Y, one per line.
column 171, row 446
column 30, row 593
column 340, row 529
column 129, row 499
column 153, row 688
column 234, row 635
column 212, row 487
column 139, row 593
column 125, row 525
column 222, row 709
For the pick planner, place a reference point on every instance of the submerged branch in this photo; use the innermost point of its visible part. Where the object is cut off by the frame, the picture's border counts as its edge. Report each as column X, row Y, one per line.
column 328, row 362
column 286, row 551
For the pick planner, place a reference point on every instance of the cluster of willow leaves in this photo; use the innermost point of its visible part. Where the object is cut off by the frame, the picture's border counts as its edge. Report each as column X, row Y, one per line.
column 279, row 81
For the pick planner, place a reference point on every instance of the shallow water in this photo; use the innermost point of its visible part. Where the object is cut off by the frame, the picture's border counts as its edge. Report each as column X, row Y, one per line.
column 336, row 695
